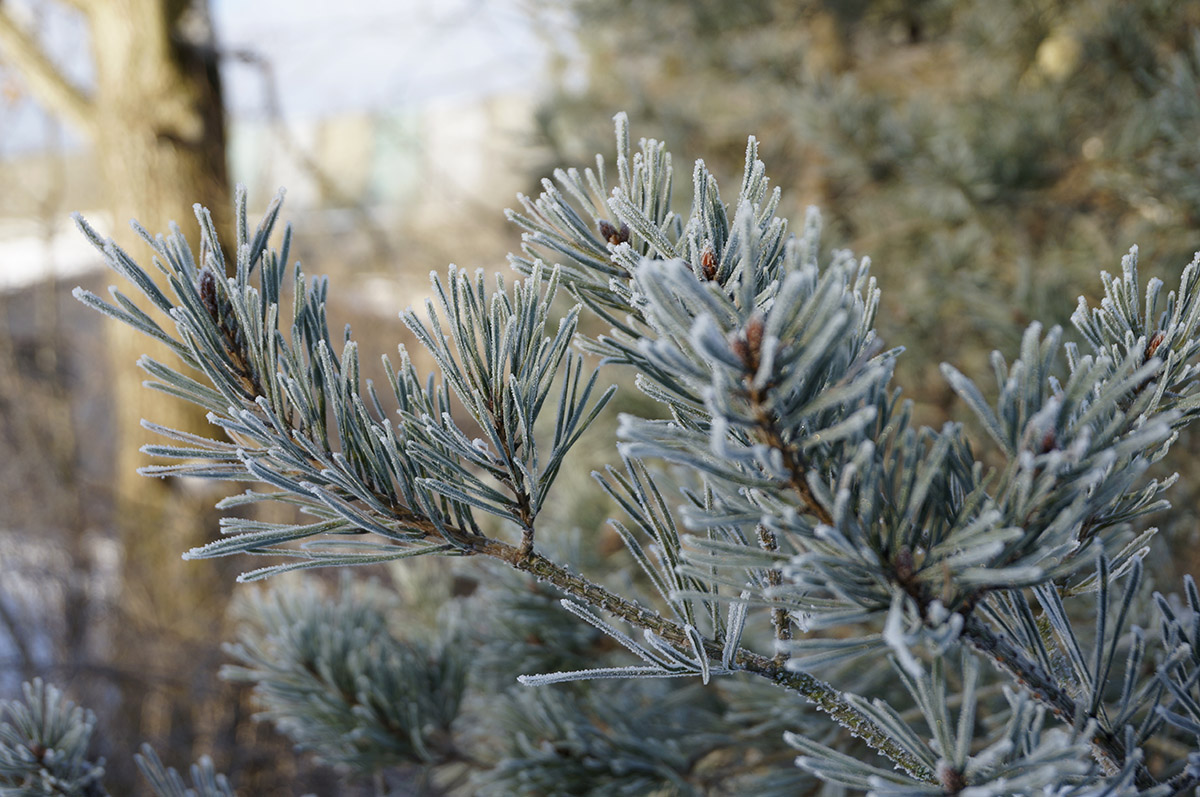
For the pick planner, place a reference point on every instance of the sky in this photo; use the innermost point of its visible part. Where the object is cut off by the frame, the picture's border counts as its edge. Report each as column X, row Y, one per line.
column 327, row 58
column 371, row 54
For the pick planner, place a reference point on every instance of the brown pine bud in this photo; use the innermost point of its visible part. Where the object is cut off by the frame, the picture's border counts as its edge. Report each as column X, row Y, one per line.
column 755, row 328
column 1153, row 344
column 953, row 781
column 904, row 565
column 708, row 264
column 207, row 287
column 611, row 234
column 747, row 344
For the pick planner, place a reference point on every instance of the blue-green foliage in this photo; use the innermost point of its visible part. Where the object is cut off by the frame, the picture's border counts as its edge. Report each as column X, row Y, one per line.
column 765, row 363
column 44, row 742
column 333, row 677
column 167, row 782
column 299, row 421
column 791, row 520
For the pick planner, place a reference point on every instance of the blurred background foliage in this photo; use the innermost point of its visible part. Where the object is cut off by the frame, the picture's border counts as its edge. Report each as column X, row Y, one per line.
column 990, row 157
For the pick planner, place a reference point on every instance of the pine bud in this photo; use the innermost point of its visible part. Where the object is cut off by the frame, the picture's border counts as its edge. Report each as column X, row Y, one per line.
column 747, row 344
column 708, row 263
column 1153, row 344
column 207, row 286
column 904, row 565
column 611, row 234
column 951, row 779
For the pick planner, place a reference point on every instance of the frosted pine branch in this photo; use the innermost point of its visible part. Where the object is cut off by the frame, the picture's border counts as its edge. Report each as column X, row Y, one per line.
column 810, row 514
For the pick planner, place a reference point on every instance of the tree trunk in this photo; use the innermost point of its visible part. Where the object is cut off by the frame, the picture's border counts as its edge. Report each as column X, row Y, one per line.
column 156, row 123
column 160, row 140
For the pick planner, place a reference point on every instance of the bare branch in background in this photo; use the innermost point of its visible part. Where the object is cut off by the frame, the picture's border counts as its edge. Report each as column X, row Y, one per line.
column 328, row 186
column 18, row 48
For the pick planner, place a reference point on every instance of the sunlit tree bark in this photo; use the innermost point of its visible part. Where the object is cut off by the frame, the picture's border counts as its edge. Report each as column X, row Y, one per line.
column 155, row 120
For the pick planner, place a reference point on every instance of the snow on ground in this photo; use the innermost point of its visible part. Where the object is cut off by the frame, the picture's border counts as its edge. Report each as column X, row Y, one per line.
column 29, row 255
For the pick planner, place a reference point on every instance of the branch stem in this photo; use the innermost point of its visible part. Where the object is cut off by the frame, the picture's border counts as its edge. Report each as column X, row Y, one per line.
column 823, row 696
column 1107, row 747
column 779, row 616
column 797, row 470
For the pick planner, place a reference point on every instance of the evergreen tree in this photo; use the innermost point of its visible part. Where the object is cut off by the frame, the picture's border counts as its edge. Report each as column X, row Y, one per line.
column 793, row 530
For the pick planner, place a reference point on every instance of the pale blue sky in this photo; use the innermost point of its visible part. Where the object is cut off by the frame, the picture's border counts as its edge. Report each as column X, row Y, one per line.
column 328, row 58
column 332, row 57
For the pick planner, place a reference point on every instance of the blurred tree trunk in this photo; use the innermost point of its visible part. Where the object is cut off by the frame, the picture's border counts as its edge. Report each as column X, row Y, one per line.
column 160, row 137
column 156, row 122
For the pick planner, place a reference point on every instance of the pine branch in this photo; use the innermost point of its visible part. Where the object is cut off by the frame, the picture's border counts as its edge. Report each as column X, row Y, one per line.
column 290, row 444
column 780, row 618
column 820, row 694
column 167, row 782
column 813, row 495
column 44, row 742
column 46, row 81
column 1108, row 748
column 1184, row 783
column 1133, row 402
